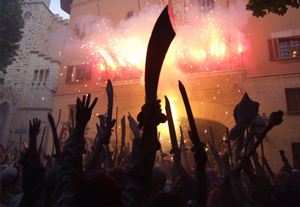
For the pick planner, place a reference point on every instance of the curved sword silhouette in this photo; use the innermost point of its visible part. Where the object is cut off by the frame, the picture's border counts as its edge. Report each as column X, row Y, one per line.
column 160, row 40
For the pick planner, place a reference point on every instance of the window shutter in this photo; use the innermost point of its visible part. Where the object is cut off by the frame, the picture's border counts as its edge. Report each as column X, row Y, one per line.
column 273, row 48
column 276, row 49
column 271, row 51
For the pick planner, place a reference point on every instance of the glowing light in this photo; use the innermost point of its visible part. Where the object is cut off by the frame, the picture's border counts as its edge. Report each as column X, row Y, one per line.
column 198, row 54
column 217, row 49
column 163, row 128
column 200, row 45
column 108, row 59
column 294, row 54
column 240, row 48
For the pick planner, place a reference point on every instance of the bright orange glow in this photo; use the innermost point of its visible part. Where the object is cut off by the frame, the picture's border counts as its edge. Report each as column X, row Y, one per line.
column 108, row 58
column 240, row 48
column 132, row 51
column 198, row 54
column 201, row 44
column 217, row 49
column 102, row 66
column 163, row 128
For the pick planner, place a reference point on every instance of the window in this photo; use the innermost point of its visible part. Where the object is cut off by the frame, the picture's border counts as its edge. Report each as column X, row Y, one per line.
column 41, row 75
column 35, row 75
column 46, row 76
column 296, row 154
column 129, row 14
column 78, row 73
column 207, row 4
column 292, row 99
column 284, row 48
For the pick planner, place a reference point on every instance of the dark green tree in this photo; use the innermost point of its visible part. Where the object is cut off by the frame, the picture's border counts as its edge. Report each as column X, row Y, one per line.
column 11, row 24
column 260, row 8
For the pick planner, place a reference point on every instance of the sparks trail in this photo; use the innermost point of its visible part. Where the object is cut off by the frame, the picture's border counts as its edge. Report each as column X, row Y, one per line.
column 204, row 43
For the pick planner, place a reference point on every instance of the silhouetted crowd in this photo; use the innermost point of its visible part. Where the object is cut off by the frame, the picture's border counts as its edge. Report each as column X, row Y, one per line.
column 140, row 173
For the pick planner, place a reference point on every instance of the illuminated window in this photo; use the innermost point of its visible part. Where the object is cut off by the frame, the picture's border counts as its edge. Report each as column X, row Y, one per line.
column 292, row 99
column 78, row 73
column 286, row 48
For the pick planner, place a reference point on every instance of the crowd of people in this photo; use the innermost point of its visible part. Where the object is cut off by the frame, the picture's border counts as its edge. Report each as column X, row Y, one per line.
column 141, row 176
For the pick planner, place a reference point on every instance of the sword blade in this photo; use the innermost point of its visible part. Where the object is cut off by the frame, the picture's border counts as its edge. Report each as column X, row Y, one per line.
column 172, row 131
column 123, row 126
column 160, row 40
column 110, row 94
column 194, row 133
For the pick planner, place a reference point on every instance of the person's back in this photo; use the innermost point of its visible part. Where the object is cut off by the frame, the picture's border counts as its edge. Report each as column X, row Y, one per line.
column 96, row 189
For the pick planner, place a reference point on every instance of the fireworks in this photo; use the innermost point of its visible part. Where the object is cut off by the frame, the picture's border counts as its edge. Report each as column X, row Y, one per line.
column 203, row 43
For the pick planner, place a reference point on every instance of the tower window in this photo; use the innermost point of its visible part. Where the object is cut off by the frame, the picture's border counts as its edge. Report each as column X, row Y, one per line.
column 35, row 75
column 41, row 75
column 46, row 76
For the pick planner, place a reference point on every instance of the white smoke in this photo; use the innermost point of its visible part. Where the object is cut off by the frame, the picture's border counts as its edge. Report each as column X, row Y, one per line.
column 201, row 42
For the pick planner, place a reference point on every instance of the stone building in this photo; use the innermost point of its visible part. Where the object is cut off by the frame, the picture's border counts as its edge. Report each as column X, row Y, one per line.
column 269, row 71
column 30, row 83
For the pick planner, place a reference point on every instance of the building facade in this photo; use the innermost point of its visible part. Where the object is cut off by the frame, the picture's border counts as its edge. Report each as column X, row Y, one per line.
column 30, row 83
column 269, row 72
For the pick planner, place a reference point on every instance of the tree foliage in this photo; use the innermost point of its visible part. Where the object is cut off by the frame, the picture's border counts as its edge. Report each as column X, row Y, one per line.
column 11, row 24
column 260, row 8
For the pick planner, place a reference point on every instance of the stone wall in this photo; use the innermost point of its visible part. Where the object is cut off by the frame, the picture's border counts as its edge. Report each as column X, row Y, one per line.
column 270, row 93
column 32, row 77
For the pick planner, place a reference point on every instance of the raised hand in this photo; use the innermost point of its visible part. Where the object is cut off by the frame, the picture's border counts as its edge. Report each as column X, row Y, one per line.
column 34, row 130
column 275, row 118
column 151, row 113
column 84, row 110
column 34, row 127
column 105, row 129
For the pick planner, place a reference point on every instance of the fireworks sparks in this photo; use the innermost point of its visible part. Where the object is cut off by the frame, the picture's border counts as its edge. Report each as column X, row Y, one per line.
column 202, row 44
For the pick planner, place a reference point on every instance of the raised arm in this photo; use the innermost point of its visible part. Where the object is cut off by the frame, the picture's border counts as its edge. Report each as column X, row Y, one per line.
column 139, row 176
column 32, row 169
column 71, row 160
